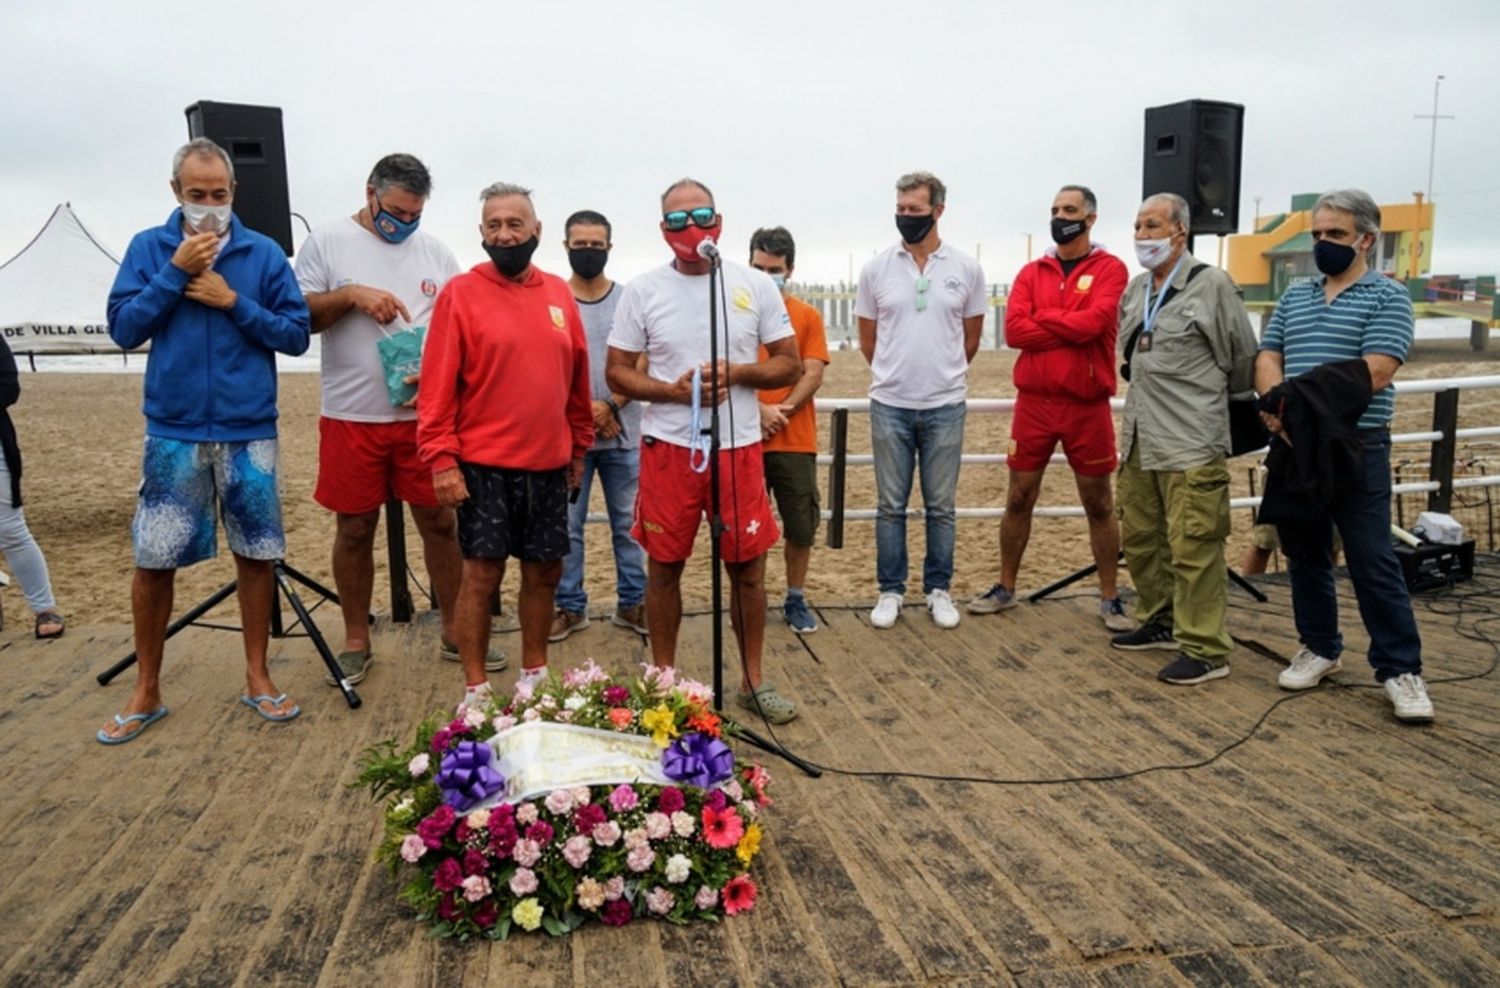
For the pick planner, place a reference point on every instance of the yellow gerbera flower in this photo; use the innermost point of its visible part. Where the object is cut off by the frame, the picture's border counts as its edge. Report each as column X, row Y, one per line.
column 749, row 845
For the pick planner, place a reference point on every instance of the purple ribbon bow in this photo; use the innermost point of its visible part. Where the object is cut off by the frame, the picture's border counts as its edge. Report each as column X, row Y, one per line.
column 698, row 760
column 466, row 777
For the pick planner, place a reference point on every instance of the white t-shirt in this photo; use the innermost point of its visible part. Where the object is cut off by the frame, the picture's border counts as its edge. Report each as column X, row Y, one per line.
column 344, row 253
column 919, row 354
column 664, row 314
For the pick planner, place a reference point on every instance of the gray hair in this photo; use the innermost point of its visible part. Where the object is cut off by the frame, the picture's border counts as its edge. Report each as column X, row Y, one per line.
column 1090, row 203
column 404, row 171
column 1357, row 203
column 937, row 192
column 683, row 183
column 1178, row 210
column 499, row 190
column 199, row 147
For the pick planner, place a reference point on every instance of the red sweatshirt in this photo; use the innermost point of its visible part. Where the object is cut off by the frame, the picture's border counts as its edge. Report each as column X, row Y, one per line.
column 505, row 374
column 1065, row 327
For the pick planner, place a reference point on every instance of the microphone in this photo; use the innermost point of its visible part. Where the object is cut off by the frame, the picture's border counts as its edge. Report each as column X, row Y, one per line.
column 708, row 250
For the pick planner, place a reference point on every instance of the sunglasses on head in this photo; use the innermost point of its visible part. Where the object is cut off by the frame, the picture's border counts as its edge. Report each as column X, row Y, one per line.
column 705, row 217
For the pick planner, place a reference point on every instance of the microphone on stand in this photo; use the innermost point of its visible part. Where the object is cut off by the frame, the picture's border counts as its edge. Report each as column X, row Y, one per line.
column 709, row 251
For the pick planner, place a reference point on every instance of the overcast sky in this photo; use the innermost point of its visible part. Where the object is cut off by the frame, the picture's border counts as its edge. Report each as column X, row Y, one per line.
column 801, row 114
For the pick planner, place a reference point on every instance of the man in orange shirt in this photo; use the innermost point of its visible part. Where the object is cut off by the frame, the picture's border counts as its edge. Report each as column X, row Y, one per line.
column 790, row 426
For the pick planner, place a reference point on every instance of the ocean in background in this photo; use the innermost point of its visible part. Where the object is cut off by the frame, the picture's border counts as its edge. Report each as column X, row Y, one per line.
column 308, row 363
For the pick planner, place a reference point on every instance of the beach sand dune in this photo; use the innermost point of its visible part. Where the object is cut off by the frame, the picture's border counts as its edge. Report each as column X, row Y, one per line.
column 81, row 438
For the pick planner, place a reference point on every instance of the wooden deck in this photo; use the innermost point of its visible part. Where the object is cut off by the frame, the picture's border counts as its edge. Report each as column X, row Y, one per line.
column 1336, row 846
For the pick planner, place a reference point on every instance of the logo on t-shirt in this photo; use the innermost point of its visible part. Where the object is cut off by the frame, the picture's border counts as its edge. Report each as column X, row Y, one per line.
column 953, row 285
column 742, row 299
column 429, row 287
column 1085, row 282
column 558, row 320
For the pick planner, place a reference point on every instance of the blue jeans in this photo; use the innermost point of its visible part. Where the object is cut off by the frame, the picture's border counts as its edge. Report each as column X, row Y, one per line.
column 899, row 439
column 619, row 473
column 1364, row 521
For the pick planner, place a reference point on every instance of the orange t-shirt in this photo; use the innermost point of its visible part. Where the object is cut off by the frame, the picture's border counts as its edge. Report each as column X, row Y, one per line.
column 801, row 432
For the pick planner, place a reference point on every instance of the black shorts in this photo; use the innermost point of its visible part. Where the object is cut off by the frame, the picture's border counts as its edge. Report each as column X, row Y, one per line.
column 520, row 513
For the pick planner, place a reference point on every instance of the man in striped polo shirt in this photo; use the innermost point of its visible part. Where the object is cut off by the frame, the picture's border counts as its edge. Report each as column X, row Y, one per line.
column 1351, row 313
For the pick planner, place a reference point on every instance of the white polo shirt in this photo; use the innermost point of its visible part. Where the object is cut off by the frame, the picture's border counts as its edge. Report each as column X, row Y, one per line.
column 664, row 314
column 919, row 354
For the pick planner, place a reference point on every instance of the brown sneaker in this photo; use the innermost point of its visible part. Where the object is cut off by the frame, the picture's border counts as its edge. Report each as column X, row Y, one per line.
column 633, row 618
column 565, row 623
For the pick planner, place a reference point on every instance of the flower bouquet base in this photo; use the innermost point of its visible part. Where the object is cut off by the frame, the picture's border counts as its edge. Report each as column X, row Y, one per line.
column 584, row 799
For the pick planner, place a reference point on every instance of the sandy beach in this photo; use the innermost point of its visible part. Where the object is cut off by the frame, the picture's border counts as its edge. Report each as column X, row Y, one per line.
column 81, row 437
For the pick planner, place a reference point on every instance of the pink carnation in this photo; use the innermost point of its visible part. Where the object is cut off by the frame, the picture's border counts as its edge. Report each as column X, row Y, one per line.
column 559, row 801
column 615, row 696
column 586, row 818
column 504, row 722
column 623, row 799
column 448, row 876
column 706, row 898
column 733, row 791
column 412, row 848
column 528, row 853
column 523, row 882
column 577, row 850
column 541, row 832
column 614, row 888
column 660, row 901
column 635, row 837
column 526, row 814
column 580, row 795
column 658, row 826
column 590, row 894
column 640, row 858
column 475, row 863
column 476, row 887
column 473, row 717
column 606, row 834
column 435, row 827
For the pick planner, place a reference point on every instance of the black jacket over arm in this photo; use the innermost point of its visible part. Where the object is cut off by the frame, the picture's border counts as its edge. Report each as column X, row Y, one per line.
column 1320, row 411
column 10, row 391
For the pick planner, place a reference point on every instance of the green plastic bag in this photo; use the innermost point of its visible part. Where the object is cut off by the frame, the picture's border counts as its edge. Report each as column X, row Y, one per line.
column 401, row 357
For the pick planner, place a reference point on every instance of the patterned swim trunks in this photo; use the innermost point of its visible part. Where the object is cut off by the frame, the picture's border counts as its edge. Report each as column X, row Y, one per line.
column 186, row 485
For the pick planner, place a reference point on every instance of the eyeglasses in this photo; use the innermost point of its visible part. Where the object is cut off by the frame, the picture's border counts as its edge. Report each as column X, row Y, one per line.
column 704, row 217
column 922, row 285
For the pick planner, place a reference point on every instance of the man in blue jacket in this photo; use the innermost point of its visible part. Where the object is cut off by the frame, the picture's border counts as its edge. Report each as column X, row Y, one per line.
column 216, row 301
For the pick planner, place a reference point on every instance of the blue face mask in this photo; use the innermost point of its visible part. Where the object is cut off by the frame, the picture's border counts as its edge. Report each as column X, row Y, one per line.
column 779, row 280
column 390, row 228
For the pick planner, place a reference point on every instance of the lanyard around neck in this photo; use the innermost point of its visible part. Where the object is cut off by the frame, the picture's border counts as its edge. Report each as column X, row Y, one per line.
column 1151, row 311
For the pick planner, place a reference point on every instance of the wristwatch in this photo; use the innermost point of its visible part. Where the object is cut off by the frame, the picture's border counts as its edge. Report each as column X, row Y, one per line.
column 614, row 409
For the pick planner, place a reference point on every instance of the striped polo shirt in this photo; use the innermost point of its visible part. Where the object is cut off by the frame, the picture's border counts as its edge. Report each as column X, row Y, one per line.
column 1373, row 315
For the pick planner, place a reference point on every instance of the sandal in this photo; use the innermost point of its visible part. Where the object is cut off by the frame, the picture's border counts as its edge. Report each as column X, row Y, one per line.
column 254, row 703
column 49, row 618
column 771, row 705
column 145, row 720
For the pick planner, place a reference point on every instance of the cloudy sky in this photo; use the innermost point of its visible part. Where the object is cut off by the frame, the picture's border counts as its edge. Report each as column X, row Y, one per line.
column 801, row 114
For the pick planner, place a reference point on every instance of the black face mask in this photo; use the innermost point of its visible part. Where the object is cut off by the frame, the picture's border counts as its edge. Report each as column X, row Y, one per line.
column 1332, row 259
column 511, row 261
column 915, row 228
column 588, row 262
column 1065, row 231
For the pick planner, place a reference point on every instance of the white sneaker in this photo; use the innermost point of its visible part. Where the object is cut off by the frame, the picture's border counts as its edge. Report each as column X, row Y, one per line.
column 1409, row 696
column 940, row 606
column 1307, row 670
column 887, row 610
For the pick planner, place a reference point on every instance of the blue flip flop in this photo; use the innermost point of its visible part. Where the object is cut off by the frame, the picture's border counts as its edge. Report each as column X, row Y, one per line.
column 254, row 703
column 145, row 720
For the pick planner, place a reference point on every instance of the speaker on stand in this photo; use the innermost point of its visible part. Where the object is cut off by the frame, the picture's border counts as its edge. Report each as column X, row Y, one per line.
column 253, row 138
column 1193, row 149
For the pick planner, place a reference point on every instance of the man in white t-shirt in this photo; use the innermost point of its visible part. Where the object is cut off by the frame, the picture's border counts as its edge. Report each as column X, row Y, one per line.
column 920, row 307
column 664, row 314
column 368, row 277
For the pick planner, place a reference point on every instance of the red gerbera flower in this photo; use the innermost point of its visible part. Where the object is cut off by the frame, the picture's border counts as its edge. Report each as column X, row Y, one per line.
column 722, row 828
column 739, row 894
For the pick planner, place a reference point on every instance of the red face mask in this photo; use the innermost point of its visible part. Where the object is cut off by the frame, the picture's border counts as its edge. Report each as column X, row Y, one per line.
column 684, row 242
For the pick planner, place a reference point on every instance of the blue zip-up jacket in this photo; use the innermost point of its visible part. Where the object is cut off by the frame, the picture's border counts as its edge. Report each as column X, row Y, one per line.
column 211, row 373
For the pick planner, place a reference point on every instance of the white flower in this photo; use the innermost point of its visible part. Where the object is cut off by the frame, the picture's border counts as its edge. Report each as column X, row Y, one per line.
column 575, row 701
column 658, row 825
column 404, row 807
column 478, row 820
column 473, row 717
column 531, row 714
column 733, row 791
column 679, row 866
column 636, row 837
column 580, row 795
column 684, row 824
column 419, row 764
column 503, row 723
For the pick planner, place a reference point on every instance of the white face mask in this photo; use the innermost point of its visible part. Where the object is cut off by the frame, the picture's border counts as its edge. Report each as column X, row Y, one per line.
column 206, row 219
column 1152, row 253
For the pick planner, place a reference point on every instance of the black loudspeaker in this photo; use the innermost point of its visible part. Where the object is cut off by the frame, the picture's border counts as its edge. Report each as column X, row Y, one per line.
column 252, row 136
column 1193, row 149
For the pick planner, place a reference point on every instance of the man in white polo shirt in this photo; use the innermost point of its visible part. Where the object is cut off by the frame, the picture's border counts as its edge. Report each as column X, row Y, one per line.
column 921, row 309
column 367, row 277
column 664, row 314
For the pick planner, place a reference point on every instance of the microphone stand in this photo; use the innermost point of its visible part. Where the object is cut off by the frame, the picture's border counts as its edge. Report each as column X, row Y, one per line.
column 716, row 529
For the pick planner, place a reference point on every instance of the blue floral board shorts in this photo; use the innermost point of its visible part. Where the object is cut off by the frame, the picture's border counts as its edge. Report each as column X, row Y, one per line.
column 185, row 486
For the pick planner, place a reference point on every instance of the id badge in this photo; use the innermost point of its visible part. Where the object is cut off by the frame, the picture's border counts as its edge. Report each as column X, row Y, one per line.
column 1143, row 345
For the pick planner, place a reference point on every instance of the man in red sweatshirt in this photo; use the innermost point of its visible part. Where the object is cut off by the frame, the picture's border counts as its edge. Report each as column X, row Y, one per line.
column 1062, row 315
column 503, row 419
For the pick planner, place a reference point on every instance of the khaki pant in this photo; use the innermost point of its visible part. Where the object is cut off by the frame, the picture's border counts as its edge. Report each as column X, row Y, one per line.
column 1172, row 528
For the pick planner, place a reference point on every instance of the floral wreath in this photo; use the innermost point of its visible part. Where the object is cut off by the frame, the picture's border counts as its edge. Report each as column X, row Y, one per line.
column 490, row 842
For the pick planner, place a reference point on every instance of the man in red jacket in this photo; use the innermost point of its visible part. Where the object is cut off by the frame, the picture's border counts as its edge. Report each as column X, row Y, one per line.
column 1062, row 315
column 503, row 420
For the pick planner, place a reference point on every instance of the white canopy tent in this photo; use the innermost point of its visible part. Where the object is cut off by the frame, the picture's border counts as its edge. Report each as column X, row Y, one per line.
column 53, row 293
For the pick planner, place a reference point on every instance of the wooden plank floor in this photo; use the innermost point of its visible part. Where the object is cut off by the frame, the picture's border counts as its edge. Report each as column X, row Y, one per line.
column 1334, row 846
